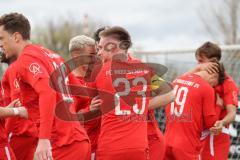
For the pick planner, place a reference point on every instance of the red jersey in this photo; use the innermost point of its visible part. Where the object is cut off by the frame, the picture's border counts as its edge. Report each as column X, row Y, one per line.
column 217, row 146
column 123, row 88
column 6, row 91
column 3, row 137
column 15, row 125
column 228, row 92
column 152, row 125
column 36, row 63
column 10, row 83
column 186, row 116
column 1, row 95
column 82, row 103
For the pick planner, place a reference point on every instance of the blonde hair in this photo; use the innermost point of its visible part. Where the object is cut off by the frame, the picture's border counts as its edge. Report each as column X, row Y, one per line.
column 80, row 42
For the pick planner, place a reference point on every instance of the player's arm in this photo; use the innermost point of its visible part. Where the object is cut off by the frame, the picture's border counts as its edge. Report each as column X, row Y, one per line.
column 6, row 112
column 229, row 118
column 89, row 111
column 47, row 102
column 9, row 111
column 81, row 105
column 161, row 100
column 231, row 114
column 162, row 90
column 94, row 109
column 35, row 74
column 230, row 101
column 210, row 67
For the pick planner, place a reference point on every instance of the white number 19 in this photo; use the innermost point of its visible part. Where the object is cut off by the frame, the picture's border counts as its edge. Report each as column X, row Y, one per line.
column 179, row 92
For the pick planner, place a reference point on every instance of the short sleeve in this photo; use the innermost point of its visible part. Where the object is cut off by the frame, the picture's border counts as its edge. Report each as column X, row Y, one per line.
column 230, row 93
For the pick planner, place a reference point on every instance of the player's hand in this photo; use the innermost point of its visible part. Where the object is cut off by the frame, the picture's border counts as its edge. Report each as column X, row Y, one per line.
column 44, row 150
column 95, row 103
column 210, row 67
column 217, row 128
column 23, row 113
column 14, row 103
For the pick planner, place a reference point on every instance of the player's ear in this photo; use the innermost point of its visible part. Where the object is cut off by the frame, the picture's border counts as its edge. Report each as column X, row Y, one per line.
column 17, row 37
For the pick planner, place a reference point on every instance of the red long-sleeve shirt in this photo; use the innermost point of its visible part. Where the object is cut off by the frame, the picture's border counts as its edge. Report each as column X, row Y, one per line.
column 11, row 91
column 82, row 103
column 35, row 66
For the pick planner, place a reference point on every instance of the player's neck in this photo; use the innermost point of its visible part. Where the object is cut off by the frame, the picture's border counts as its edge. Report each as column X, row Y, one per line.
column 120, row 57
column 11, row 60
column 202, row 74
column 22, row 45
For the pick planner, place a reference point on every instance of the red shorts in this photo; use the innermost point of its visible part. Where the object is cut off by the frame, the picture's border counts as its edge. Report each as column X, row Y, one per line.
column 124, row 154
column 219, row 148
column 179, row 154
column 156, row 147
column 78, row 150
column 6, row 153
column 23, row 146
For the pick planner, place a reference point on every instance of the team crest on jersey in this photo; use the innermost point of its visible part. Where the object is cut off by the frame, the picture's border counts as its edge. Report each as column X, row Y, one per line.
column 35, row 68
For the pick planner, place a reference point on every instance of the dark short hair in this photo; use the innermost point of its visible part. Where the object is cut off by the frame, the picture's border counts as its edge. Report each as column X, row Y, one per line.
column 119, row 34
column 221, row 71
column 96, row 36
column 16, row 22
column 221, row 74
column 209, row 50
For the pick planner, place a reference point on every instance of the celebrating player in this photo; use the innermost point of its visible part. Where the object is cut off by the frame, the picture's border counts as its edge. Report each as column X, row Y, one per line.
column 6, row 152
column 123, row 132
column 21, row 132
column 217, row 147
column 83, row 45
column 155, row 136
column 192, row 112
column 57, row 139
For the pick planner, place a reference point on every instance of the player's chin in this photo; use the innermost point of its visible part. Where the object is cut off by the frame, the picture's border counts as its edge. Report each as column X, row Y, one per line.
column 214, row 84
column 8, row 56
